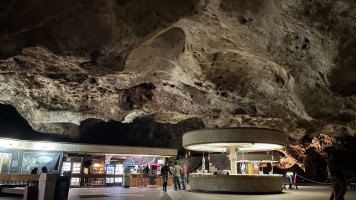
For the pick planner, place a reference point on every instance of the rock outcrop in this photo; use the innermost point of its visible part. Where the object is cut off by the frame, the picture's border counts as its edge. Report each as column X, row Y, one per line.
column 288, row 65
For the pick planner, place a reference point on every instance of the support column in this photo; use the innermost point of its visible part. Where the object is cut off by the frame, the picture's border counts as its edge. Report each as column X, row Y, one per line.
column 107, row 159
column 46, row 186
column 233, row 160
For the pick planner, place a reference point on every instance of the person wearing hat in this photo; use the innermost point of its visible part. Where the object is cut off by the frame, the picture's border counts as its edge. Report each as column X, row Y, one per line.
column 184, row 175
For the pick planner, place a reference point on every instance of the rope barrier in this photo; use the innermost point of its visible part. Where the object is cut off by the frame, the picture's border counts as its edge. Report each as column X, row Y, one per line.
column 322, row 182
column 350, row 179
column 314, row 181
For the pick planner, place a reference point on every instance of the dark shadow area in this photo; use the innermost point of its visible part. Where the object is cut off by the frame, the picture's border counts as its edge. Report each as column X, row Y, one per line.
column 342, row 78
column 141, row 132
column 11, row 196
column 13, row 125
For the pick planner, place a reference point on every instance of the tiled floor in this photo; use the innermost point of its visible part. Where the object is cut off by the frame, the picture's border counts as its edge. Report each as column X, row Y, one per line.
column 304, row 192
column 118, row 193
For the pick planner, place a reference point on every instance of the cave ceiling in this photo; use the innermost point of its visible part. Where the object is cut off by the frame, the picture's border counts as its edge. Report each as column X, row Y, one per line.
column 289, row 65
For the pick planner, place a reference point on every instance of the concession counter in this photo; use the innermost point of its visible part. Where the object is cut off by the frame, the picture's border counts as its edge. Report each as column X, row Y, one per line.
column 250, row 152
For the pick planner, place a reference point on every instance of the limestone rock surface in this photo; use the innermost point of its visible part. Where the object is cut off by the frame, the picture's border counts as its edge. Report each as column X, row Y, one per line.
column 288, row 65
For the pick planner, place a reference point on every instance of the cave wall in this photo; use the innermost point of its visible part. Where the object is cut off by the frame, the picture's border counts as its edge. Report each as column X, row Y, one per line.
column 155, row 69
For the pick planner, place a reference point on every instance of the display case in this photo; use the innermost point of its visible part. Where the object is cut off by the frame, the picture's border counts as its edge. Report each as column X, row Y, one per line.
column 72, row 165
column 153, row 177
column 110, row 169
column 119, row 170
column 75, row 181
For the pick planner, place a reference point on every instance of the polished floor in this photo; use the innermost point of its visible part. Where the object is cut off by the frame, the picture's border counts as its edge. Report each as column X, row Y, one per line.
column 117, row 193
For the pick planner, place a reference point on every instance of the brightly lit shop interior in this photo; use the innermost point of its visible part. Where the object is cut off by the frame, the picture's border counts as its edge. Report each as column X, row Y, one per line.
column 242, row 156
column 87, row 164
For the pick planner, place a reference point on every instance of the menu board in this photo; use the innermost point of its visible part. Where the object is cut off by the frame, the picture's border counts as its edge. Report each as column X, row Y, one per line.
column 76, row 167
column 66, row 166
column 110, row 169
column 119, row 169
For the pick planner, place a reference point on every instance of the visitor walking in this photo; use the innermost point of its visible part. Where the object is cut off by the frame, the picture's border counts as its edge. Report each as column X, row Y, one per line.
column 184, row 175
column 165, row 171
column 177, row 171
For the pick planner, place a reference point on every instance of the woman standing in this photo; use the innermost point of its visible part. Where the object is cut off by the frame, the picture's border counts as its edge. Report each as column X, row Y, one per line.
column 164, row 171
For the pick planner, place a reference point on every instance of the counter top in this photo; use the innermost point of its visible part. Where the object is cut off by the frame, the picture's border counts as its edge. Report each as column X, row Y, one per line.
column 211, row 175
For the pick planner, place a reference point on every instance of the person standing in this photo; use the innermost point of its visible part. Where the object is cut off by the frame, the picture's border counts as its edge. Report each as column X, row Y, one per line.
column 33, row 171
column 146, row 170
column 177, row 170
column 336, row 171
column 44, row 170
column 165, row 171
column 184, row 175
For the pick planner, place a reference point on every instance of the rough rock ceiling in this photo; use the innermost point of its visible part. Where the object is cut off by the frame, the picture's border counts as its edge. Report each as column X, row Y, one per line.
column 288, row 65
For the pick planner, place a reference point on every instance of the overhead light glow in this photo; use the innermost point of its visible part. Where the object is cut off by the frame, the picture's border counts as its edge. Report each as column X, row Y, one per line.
column 44, row 146
column 8, row 143
column 97, row 165
column 221, row 147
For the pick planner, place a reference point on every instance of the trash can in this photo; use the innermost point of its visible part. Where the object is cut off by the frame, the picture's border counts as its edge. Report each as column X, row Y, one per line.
column 127, row 177
column 62, row 187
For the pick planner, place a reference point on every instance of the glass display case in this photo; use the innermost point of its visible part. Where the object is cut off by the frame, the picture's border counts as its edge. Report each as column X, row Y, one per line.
column 110, row 169
column 72, row 165
column 76, row 169
column 119, row 170
column 75, row 181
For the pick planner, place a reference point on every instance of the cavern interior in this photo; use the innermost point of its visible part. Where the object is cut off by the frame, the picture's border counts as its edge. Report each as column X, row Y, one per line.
column 142, row 73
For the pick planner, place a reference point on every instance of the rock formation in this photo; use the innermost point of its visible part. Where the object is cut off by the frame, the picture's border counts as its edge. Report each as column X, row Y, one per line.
column 68, row 65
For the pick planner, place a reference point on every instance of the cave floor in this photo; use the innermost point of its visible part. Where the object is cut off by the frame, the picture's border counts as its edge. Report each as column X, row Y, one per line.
column 312, row 192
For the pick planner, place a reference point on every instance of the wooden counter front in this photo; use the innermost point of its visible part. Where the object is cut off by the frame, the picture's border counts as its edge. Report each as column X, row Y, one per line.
column 160, row 181
column 142, row 180
column 20, row 177
column 138, row 180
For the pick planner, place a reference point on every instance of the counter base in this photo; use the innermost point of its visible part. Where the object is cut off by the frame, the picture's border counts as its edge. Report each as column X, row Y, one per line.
column 236, row 183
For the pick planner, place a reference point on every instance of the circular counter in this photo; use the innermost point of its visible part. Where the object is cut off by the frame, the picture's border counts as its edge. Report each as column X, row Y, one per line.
column 262, row 183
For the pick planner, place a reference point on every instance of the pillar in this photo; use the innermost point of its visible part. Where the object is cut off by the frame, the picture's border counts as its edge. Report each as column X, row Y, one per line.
column 107, row 159
column 233, row 160
column 46, row 186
